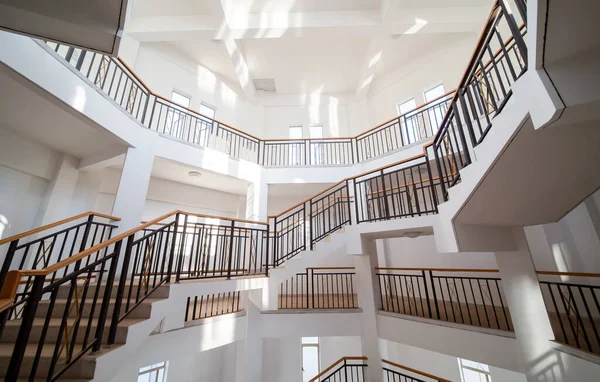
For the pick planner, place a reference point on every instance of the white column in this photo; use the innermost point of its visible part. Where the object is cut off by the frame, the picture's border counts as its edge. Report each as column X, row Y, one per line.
column 367, row 295
column 531, row 323
column 59, row 194
column 249, row 351
column 256, row 201
column 133, row 187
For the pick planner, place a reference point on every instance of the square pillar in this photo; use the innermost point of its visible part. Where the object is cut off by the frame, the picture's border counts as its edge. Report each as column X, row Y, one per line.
column 249, row 351
column 256, row 201
column 59, row 194
column 367, row 295
column 133, row 187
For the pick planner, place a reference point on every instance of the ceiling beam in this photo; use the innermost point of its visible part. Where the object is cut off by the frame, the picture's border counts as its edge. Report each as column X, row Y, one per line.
column 339, row 23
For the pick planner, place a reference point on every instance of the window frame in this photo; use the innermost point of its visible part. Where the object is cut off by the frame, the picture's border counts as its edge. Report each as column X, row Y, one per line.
column 315, row 345
column 463, row 367
column 150, row 369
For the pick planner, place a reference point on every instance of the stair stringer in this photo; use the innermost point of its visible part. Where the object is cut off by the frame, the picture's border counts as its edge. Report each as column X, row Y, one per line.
column 530, row 101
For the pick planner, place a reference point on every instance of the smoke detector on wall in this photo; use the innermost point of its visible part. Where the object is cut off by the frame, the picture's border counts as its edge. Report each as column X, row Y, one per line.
column 412, row 234
column 194, row 174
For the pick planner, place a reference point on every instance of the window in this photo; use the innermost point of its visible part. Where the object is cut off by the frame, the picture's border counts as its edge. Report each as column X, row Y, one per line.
column 437, row 110
column 153, row 373
column 205, row 125
column 474, row 371
column 207, row 110
column 175, row 123
column 310, row 358
column 295, row 149
column 316, row 132
column 410, row 126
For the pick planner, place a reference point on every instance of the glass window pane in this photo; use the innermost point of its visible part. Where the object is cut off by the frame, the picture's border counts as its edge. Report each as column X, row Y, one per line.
column 310, row 340
column 310, row 362
column 144, row 378
column 408, row 123
column 316, row 131
column 434, row 93
column 295, row 132
column 207, row 111
column 180, row 99
column 407, row 106
column 475, row 365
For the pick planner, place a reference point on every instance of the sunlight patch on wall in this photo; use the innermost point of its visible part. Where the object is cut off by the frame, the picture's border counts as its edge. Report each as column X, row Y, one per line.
column 80, row 99
column 419, row 24
column 3, row 224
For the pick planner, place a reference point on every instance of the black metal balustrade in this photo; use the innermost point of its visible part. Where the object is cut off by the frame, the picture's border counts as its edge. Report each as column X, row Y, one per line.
column 406, row 189
column 394, row 372
column 319, row 288
column 45, row 246
column 496, row 64
column 301, row 226
column 212, row 305
column 346, row 369
column 573, row 308
column 448, row 295
column 406, row 129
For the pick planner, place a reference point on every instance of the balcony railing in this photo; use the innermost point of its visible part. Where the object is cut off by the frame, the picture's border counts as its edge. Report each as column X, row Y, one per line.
column 319, row 288
column 345, row 369
column 573, row 308
column 462, row 296
column 211, row 305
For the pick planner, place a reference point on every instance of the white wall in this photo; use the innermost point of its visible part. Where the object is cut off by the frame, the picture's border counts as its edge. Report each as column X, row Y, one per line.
column 164, row 69
column 165, row 196
column 333, row 348
column 26, row 168
column 444, row 65
column 570, row 245
column 282, row 359
column 421, row 252
column 339, row 114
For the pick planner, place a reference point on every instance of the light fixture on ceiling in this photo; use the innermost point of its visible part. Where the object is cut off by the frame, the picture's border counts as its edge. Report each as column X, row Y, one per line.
column 194, row 174
column 412, row 234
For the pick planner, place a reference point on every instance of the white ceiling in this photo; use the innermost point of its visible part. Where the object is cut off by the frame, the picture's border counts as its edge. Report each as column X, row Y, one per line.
column 324, row 46
column 54, row 124
column 178, row 172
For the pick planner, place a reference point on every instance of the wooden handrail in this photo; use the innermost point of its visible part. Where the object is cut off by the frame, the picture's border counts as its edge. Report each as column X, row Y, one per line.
column 439, row 379
column 439, row 270
column 331, row 268
column 335, row 363
column 56, row 224
column 577, row 274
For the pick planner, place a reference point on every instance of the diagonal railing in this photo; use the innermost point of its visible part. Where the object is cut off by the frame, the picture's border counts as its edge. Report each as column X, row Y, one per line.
column 345, row 369
column 573, row 304
column 394, row 372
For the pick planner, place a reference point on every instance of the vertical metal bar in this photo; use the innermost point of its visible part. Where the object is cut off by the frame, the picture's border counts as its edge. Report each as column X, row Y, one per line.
column 29, row 313
column 10, row 254
column 110, row 279
column 514, row 29
column 112, row 334
column 230, row 250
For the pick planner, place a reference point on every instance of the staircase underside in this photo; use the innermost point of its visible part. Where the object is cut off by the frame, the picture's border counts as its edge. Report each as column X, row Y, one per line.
column 539, row 177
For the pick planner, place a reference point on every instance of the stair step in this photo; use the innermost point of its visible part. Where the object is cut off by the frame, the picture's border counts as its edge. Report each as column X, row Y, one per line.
column 12, row 327
column 83, row 368
column 160, row 292
column 141, row 311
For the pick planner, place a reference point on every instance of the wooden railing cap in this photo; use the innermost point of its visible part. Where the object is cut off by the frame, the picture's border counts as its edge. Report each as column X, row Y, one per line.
column 56, row 224
column 439, row 379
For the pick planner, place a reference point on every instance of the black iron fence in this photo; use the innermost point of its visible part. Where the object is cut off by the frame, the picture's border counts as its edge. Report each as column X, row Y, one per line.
column 319, row 288
column 346, row 369
column 212, row 305
column 50, row 244
column 394, row 372
column 455, row 295
column 573, row 308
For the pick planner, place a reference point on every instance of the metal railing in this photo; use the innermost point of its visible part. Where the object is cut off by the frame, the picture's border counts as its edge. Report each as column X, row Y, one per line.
column 212, row 305
column 394, row 372
column 319, row 288
column 47, row 245
column 346, row 369
column 573, row 308
column 451, row 295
